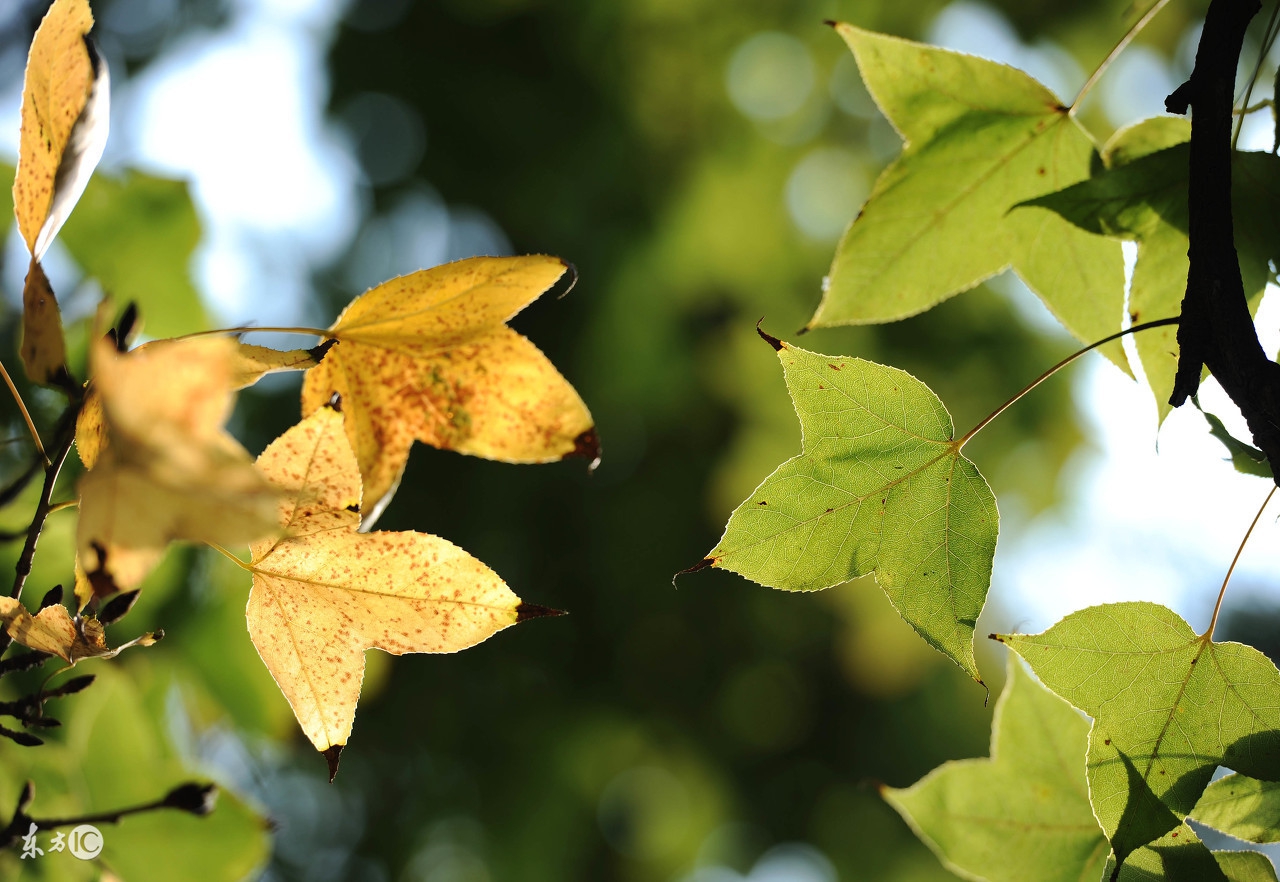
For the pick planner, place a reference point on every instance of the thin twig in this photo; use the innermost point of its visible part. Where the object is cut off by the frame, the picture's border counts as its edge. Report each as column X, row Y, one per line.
column 1115, row 52
column 1145, row 326
column 1268, row 37
column 45, row 506
column 31, row 426
column 1217, row 607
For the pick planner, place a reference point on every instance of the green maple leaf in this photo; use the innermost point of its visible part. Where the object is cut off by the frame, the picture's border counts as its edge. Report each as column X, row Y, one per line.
column 981, row 138
column 1169, row 706
column 1142, row 197
column 1243, row 807
column 1023, row 815
column 881, row 486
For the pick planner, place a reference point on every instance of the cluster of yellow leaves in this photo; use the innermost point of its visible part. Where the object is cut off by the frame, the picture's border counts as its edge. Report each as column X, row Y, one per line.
column 426, row 357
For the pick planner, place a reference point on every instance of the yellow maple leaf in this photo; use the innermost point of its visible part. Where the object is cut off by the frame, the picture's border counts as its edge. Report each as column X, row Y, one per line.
column 428, row 357
column 323, row 593
column 54, row 631
column 168, row 470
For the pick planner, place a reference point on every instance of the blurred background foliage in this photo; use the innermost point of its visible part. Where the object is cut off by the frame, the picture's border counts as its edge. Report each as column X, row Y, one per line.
column 697, row 162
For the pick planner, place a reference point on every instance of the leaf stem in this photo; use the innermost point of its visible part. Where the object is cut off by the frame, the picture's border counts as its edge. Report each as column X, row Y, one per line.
column 1145, row 326
column 1119, row 47
column 310, row 332
column 1217, row 607
column 31, row 426
column 229, row 556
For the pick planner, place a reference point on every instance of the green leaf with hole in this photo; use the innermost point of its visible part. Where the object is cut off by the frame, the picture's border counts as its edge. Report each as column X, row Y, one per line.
column 1023, row 815
column 1142, row 197
column 1243, row 807
column 981, row 138
column 881, row 486
column 1169, row 707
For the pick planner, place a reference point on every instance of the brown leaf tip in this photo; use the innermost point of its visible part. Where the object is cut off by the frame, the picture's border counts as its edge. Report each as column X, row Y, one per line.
column 768, row 338
column 831, row 23
column 320, row 351
column 573, row 279
column 700, row 565
column 526, row 611
column 996, row 637
column 331, row 755
column 587, row 446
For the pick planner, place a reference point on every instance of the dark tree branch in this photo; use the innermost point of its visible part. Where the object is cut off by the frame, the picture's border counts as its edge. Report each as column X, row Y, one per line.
column 1216, row 329
column 193, row 798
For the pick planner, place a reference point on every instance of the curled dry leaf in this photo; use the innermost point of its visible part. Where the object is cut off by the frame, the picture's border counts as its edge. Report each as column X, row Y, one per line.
column 428, row 357
column 324, row 593
column 168, row 470
column 54, row 631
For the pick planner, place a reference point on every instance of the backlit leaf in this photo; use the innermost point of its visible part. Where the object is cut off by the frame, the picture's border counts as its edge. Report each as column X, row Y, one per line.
column 64, row 122
column 169, row 471
column 428, row 357
column 325, row 593
column 980, row 137
column 881, row 486
column 1023, row 815
column 1143, row 197
column 1243, row 807
column 252, row 363
column 1169, row 707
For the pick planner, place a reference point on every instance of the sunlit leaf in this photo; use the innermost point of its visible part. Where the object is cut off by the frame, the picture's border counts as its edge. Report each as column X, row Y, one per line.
column 980, row 137
column 881, row 486
column 1143, row 197
column 169, row 470
column 64, row 122
column 428, row 357
column 1243, row 807
column 137, row 235
column 53, row 630
column 325, row 593
column 1023, row 815
column 252, row 363
column 1169, row 707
